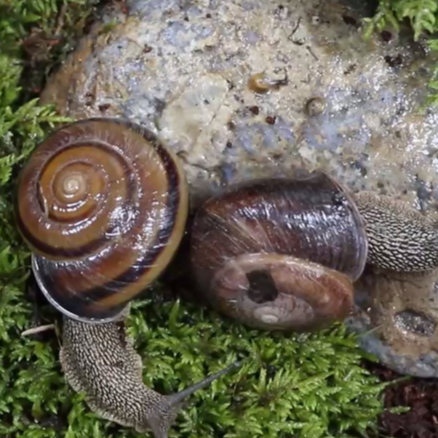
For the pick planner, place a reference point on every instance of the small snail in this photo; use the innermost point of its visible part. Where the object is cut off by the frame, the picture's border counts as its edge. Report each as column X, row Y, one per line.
column 103, row 206
column 260, row 83
column 284, row 253
column 315, row 106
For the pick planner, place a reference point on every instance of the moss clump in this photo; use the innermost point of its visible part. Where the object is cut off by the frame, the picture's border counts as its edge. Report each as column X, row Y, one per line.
column 309, row 385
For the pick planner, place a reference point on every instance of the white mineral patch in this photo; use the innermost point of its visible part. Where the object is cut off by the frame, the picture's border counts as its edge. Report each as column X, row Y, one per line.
column 266, row 314
column 184, row 119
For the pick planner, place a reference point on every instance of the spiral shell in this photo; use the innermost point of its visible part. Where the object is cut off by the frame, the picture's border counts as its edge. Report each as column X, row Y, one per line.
column 103, row 204
column 260, row 83
column 280, row 253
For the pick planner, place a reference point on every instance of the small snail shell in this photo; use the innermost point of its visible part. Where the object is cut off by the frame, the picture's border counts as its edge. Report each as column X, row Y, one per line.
column 260, row 83
column 103, row 205
column 315, row 106
column 280, row 253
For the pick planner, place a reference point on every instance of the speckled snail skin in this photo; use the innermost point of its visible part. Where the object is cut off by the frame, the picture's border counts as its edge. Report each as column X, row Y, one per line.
column 284, row 253
column 99, row 360
column 103, row 206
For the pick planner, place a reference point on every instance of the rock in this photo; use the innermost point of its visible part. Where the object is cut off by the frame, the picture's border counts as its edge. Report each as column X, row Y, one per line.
column 402, row 312
column 249, row 88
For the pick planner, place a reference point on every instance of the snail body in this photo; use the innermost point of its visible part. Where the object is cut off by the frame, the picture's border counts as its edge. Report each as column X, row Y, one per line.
column 100, row 361
column 401, row 239
column 304, row 241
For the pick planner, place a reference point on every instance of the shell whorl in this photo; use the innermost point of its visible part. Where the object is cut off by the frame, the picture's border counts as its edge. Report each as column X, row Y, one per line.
column 103, row 204
column 400, row 238
column 279, row 253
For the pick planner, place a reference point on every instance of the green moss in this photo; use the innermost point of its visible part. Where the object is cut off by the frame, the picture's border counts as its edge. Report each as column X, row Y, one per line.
column 309, row 385
column 421, row 14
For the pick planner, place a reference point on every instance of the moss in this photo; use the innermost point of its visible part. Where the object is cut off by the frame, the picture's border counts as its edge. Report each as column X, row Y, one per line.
column 309, row 385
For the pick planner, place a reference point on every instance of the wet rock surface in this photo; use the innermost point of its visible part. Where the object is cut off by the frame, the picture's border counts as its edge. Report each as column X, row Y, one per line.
column 397, row 315
column 249, row 88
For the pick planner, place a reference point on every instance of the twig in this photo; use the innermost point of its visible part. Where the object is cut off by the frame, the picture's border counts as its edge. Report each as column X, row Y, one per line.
column 39, row 329
column 61, row 19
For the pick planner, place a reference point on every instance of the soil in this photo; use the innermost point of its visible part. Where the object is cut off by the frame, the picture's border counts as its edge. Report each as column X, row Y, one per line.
column 420, row 395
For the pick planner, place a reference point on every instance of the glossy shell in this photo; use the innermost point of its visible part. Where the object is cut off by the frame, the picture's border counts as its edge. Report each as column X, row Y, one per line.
column 103, row 205
column 247, row 242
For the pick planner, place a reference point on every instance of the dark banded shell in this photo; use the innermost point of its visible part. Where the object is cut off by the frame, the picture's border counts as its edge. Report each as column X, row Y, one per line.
column 246, row 244
column 103, row 205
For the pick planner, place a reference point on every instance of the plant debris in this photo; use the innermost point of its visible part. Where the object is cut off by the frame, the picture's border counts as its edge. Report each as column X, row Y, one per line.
column 418, row 396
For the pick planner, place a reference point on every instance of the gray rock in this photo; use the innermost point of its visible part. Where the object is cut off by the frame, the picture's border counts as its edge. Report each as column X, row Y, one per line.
column 397, row 317
column 186, row 70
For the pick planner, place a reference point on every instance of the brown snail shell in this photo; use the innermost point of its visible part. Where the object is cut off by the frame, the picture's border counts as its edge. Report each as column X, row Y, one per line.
column 260, row 83
column 280, row 253
column 103, row 205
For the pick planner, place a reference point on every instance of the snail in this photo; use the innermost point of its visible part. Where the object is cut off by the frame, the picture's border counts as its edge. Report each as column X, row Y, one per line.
column 284, row 253
column 260, row 83
column 102, row 204
column 315, row 106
